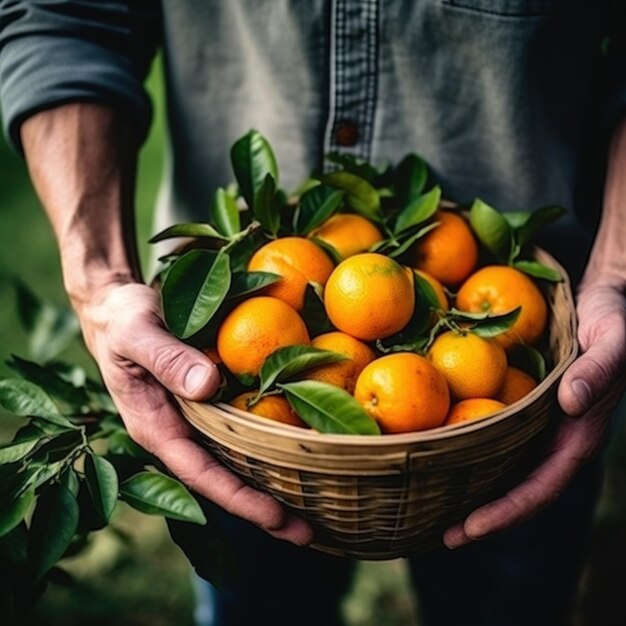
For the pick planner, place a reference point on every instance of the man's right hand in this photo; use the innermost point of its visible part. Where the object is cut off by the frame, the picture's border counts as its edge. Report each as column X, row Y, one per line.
column 82, row 160
column 141, row 363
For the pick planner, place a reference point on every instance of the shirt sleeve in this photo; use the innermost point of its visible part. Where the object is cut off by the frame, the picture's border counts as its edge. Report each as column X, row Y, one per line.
column 57, row 51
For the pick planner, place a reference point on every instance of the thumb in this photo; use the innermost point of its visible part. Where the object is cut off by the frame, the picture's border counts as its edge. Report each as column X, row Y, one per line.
column 592, row 375
column 184, row 370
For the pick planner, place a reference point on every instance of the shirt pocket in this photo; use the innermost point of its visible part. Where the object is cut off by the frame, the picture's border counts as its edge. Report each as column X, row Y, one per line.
column 505, row 8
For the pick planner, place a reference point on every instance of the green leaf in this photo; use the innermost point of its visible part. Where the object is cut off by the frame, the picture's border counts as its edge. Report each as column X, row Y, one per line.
column 102, row 483
column 354, row 165
column 419, row 210
column 51, row 328
column 538, row 270
column 23, row 398
column 225, row 213
column 252, row 159
column 286, row 362
column 409, row 179
column 69, row 479
column 265, row 208
column 494, row 325
column 537, row 220
column 492, row 229
column 17, row 451
column 193, row 291
column 247, row 283
column 156, row 494
column 120, row 444
column 74, row 397
column 14, row 513
column 409, row 239
column 360, row 195
column 313, row 311
column 329, row 409
column 528, row 359
column 193, row 229
column 329, row 249
column 315, row 207
column 53, row 526
column 516, row 219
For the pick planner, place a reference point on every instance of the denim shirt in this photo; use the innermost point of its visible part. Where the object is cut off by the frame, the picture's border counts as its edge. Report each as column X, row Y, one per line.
column 508, row 100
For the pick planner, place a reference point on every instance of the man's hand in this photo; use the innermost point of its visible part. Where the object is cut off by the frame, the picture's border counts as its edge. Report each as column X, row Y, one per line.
column 141, row 363
column 589, row 392
column 82, row 160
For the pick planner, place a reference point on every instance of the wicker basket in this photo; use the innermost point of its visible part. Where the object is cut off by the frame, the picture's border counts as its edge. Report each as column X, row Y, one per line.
column 382, row 497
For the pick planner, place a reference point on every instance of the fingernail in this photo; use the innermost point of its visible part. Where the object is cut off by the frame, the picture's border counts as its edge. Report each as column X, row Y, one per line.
column 195, row 378
column 582, row 392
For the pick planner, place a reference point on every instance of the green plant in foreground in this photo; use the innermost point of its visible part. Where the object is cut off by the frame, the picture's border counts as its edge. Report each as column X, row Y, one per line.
column 67, row 465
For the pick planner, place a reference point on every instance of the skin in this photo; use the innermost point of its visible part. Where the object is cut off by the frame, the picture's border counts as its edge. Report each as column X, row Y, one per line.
column 82, row 163
column 82, row 160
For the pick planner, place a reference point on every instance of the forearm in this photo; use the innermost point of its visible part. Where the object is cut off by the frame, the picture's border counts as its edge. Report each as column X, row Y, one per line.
column 82, row 161
column 607, row 263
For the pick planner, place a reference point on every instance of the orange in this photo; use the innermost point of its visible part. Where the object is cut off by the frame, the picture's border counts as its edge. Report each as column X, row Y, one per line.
column 448, row 252
column 256, row 328
column 473, row 366
column 298, row 261
column 213, row 354
column 369, row 296
column 275, row 408
column 403, row 392
column 473, row 409
column 343, row 373
column 516, row 385
column 500, row 289
column 347, row 233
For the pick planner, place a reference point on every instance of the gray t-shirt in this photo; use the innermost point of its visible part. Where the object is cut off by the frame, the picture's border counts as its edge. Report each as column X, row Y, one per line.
column 508, row 100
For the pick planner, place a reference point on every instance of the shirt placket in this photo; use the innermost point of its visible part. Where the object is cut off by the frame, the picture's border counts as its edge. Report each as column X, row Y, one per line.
column 353, row 77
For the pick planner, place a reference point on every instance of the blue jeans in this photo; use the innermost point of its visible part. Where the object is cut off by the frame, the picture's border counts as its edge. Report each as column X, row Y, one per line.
column 525, row 576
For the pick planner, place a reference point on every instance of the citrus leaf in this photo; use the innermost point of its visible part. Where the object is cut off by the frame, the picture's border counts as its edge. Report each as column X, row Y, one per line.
column 329, row 409
column 494, row 325
column 120, row 444
column 246, row 283
column 354, row 165
column 194, row 289
column 492, row 229
column 225, row 213
column 102, row 484
column 537, row 220
column 23, row 398
column 69, row 479
column 394, row 253
column 516, row 218
column 17, row 451
column 252, row 159
column 409, row 179
column 313, row 311
column 193, row 229
column 156, row 494
column 53, row 526
column 315, row 206
column 46, row 378
column 13, row 513
column 530, row 360
column 538, row 270
column 291, row 360
column 265, row 208
column 360, row 195
column 419, row 210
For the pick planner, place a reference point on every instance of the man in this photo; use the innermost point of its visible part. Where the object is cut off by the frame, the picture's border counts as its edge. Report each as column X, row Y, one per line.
column 509, row 101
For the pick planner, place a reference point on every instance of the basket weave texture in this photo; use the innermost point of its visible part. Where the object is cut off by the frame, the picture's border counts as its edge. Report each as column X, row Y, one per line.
column 382, row 497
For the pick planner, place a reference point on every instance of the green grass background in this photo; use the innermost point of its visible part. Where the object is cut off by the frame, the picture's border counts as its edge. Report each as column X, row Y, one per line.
column 137, row 576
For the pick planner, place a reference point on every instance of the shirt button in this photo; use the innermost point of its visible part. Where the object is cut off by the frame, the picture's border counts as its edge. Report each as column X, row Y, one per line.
column 346, row 134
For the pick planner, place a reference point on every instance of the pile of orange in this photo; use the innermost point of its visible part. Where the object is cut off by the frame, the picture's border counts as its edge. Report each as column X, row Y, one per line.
column 369, row 297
